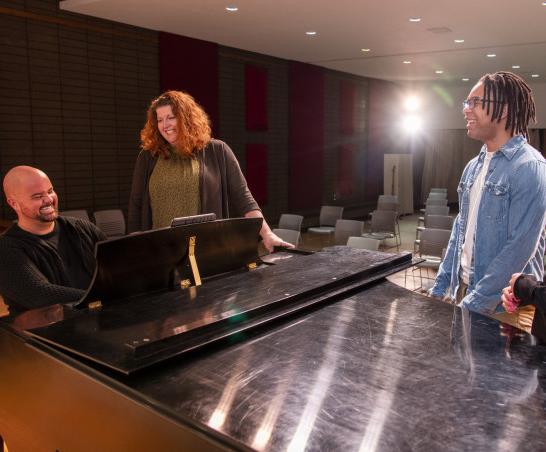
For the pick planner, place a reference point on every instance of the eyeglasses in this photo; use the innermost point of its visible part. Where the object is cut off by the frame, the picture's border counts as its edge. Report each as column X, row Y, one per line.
column 473, row 102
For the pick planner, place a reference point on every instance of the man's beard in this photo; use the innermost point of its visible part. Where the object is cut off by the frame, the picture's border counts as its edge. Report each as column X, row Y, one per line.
column 49, row 217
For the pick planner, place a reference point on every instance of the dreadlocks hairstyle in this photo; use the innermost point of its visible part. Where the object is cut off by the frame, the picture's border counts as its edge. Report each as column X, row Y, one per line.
column 505, row 88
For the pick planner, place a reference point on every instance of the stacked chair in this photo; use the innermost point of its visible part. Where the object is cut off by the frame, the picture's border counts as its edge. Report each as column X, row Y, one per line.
column 384, row 221
column 437, row 197
column 436, row 222
column 432, row 245
column 433, row 231
column 436, row 204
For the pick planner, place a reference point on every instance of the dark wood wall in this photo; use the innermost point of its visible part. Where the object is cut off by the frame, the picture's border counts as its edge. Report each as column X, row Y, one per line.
column 75, row 91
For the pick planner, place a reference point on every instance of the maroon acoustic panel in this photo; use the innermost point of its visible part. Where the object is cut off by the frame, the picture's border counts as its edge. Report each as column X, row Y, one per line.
column 256, row 97
column 345, row 170
column 256, row 171
column 347, row 105
column 306, row 142
column 191, row 65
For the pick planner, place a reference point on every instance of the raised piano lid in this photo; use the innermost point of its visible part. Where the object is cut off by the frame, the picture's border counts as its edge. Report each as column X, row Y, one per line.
column 145, row 262
column 143, row 331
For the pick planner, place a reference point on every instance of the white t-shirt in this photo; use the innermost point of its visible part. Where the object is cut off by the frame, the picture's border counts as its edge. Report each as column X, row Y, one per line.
column 473, row 208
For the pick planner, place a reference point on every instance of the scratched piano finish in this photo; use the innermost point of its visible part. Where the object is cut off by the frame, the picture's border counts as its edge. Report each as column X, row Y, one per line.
column 386, row 369
column 140, row 332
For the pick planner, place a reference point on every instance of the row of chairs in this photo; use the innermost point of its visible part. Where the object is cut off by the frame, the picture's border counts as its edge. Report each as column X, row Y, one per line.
column 436, row 212
column 383, row 224
column 345, row 232
column 111, row 222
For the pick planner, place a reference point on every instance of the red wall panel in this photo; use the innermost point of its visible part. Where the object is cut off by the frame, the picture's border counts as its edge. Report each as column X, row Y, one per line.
column 306, row 142
column 191, row 65
column 255, row 98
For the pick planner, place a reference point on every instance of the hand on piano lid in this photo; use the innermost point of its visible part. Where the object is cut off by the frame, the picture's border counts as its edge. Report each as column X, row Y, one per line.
column 272, row 240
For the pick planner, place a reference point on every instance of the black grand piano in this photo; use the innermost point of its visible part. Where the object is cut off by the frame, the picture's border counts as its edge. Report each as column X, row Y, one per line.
column 187, row 340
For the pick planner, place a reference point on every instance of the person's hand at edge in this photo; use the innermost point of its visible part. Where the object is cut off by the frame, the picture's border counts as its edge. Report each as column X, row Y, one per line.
column 271, row 240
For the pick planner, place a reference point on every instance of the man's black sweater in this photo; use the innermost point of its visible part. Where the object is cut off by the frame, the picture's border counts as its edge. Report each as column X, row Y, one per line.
column 32, row 271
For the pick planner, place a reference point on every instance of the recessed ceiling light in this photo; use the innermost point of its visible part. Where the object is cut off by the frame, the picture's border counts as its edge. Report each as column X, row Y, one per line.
column 415, row 19
column 406, row 62
column 439, row 71
column 458, row 41
column 491, row 55
column 535, row 75
column 365, row 50
column 310, row 33
column 232, row 8
column 465, row 79
column 516, row 66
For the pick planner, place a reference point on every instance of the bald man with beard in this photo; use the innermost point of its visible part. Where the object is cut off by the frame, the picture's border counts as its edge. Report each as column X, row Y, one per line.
column 46, row 259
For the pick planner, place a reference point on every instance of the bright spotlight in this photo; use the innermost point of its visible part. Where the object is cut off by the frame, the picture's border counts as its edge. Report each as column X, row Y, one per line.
column 412, row 103
column 412, row 124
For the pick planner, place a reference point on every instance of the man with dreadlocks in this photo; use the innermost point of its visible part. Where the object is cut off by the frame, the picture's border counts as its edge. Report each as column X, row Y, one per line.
column 502, row 199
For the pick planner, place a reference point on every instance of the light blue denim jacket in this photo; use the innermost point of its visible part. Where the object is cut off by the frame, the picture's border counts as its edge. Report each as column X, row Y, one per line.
column 510, row 234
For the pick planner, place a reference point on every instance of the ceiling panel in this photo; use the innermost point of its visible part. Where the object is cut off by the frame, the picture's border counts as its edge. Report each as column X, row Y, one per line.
column 513, row 30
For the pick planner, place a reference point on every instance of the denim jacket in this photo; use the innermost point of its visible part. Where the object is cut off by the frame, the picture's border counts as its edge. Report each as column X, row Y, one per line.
column 510, row 234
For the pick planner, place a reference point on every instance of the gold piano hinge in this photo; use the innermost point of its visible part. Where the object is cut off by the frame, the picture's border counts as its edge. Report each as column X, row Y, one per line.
column 251, row 266
column 95, row 305
column 193, row 262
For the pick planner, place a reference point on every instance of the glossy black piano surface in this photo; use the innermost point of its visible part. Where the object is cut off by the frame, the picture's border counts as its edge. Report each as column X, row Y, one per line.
column 378, row 369
column 141, row 331
column 386, row 369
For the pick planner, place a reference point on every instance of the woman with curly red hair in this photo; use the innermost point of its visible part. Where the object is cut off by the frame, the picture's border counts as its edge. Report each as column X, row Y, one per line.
column 182, row 171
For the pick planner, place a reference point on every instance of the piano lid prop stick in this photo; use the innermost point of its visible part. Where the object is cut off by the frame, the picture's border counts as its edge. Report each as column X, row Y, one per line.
column 193, row 262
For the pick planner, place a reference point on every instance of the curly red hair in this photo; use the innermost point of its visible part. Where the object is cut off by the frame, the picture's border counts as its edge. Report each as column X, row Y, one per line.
column 192, row 122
